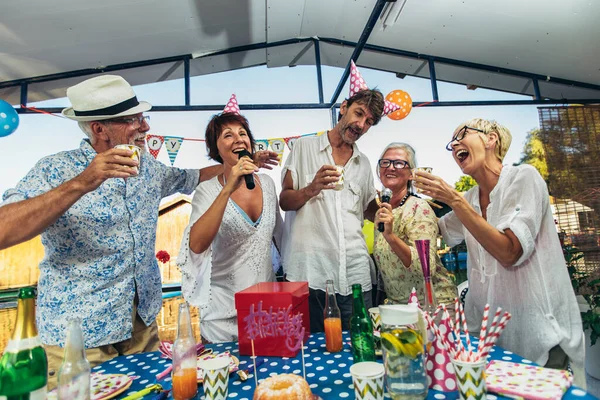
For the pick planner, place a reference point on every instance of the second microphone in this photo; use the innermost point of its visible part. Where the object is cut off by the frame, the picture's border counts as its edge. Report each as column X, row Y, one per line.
column 386, row 195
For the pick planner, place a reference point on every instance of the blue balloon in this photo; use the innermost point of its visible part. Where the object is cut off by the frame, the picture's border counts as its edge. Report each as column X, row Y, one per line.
column 9, row 119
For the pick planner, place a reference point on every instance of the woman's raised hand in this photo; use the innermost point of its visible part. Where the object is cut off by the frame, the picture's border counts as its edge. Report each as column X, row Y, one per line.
column 436, row 188
column 244, row 166
column 266, row 159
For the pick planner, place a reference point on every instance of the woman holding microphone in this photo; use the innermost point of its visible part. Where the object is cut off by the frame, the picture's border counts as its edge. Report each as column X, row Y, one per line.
column 406, row 218
column 227, row 245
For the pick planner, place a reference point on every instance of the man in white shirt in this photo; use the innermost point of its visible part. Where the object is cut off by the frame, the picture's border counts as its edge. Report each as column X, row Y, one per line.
column 323, row 227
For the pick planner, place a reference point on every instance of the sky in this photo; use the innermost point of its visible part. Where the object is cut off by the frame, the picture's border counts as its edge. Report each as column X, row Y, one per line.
column 427, row 129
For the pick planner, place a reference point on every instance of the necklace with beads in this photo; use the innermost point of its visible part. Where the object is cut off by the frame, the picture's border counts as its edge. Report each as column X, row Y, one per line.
column 404, row 199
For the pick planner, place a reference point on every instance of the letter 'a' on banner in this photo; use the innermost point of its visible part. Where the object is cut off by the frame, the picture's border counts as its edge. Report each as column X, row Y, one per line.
column 278, row 146
column 173, row 145
column 154, row 143
column 290, row 141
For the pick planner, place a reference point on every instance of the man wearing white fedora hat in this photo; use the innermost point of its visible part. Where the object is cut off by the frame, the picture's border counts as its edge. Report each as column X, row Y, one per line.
column 99, row 233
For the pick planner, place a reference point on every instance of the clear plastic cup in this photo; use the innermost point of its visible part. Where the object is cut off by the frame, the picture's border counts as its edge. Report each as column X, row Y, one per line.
column 421, row 169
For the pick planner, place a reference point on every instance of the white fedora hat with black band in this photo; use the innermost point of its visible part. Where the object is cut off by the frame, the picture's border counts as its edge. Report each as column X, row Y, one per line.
column 103, row 97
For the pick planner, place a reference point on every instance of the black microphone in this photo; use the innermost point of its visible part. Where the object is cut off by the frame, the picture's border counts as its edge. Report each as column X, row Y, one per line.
column 386, row 195
column 249, row 178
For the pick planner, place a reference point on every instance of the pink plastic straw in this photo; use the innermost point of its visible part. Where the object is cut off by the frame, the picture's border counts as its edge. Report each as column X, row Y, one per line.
column 164, row 373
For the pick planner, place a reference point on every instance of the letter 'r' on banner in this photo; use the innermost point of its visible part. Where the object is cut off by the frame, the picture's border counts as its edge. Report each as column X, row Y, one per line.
column 261, row 145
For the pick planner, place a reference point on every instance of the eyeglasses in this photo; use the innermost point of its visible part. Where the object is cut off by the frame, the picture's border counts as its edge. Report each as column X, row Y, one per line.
column 460, row 135
column 398, row 164
column 137, row 121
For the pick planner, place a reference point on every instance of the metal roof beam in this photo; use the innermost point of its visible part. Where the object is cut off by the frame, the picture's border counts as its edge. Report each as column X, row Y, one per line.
column 145, row 63
column 332, row 108
column 466, row 64
column 318, row 67
column 358, row 47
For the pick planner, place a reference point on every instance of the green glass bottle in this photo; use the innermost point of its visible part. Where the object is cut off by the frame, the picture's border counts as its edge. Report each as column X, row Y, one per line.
column 361, row 329
column 24, row 366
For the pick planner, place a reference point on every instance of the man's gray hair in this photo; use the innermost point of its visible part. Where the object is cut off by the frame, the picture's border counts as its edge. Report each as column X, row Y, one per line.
column 86, row 127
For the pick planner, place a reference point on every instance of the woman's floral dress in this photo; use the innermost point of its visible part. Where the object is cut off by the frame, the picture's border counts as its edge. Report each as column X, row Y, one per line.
column 413, row 220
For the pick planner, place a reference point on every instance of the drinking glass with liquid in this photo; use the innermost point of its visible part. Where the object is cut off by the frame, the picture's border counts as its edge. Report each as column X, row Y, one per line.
column 403, row 347
column 332, row 319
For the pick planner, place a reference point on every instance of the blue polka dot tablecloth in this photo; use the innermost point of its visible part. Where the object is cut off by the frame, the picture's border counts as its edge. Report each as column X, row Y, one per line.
column 328, row 374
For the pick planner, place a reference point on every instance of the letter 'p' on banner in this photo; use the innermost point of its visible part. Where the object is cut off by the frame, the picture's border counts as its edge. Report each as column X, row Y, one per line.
column 154, row 143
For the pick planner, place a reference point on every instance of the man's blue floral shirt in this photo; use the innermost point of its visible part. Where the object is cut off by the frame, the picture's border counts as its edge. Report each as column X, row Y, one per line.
column 102, row 249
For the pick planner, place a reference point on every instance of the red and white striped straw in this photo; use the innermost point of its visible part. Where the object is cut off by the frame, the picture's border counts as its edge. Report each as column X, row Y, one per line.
column 495, row 320
column 442, row 339
column 483, row 330
column 498, row 328
column 466, row 330
column 437, row 310
column 493, row 336
column 446, row 317
column 456, row 320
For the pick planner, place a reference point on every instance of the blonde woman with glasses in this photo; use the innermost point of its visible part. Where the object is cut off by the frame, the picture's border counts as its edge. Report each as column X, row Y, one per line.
column 515, row 260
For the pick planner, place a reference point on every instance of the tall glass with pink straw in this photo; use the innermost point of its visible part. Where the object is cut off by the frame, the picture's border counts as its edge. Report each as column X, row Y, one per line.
column 422, row 246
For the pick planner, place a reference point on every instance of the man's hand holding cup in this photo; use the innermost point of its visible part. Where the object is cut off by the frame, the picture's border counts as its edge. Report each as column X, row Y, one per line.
column 326, row 178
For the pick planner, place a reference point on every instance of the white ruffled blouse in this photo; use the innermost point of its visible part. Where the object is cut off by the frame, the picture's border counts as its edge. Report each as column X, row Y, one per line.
column 239, row 257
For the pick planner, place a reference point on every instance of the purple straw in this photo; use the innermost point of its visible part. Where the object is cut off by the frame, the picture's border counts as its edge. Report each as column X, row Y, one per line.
column 423, row 251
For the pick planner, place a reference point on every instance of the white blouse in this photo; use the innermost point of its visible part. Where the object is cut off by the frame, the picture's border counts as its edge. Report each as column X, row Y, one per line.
column 239, row 257
column 536, row 290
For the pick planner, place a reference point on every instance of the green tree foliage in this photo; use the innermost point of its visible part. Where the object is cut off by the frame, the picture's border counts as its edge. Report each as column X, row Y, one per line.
column 534, row 153
column 465, row 183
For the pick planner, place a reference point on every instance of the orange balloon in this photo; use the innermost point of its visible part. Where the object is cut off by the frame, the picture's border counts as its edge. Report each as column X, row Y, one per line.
column 402, row 99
